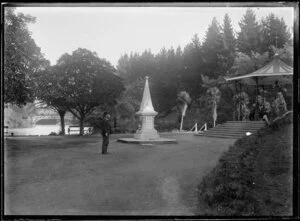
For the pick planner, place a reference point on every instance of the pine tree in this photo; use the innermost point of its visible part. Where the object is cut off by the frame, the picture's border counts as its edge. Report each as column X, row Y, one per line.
column 212, row 48
column 229, row 41
column 179, row 52
column 192, row 66
column 275, row 33
column 228, row 35
column 249, row 37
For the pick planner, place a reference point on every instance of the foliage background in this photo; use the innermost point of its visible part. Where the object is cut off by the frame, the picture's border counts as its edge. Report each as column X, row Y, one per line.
column 194, row 68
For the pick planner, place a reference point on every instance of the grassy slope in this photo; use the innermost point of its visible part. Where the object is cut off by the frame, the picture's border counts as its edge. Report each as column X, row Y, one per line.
column 254, row 177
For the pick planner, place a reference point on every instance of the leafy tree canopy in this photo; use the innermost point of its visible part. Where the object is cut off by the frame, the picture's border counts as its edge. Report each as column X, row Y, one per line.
column 22, row 58
column 86, row 81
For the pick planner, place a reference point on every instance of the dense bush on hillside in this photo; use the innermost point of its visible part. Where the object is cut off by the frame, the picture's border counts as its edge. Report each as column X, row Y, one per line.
column 254, row 177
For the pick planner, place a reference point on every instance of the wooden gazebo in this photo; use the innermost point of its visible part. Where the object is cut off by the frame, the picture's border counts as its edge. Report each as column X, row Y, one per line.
column 272, row 73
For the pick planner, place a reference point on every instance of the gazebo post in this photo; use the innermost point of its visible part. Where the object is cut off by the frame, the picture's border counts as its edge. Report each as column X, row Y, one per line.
column 240, row 115
column 263, row 95
column 256, row 102
column 234, row 102
column 276, row 87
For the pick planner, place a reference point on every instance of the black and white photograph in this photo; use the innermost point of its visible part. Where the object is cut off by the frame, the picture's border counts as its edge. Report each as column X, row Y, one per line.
column 183, row 110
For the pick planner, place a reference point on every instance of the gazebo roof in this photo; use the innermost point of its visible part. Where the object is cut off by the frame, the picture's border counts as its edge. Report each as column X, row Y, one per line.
column 274, row 70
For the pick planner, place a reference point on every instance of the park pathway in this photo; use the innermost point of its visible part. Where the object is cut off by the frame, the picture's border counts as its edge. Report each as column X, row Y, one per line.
column 68, row 176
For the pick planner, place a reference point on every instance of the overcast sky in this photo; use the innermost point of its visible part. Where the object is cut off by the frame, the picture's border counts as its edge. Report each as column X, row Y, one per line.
column 113, row 31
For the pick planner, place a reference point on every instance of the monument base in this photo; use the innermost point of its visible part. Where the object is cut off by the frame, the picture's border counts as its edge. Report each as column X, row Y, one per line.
column 141, row 141
column 147, row 141
column 146, row 134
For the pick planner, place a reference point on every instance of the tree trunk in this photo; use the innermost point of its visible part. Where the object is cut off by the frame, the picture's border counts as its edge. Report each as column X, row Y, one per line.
column 115, row 122
column 62, row 121
column 182, row 115
column 215, row 114
column 81, row 127
column 181, row 122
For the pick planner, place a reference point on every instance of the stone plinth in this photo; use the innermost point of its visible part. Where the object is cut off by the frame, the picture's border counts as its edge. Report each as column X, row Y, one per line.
column 146, row 132
column 146, row 141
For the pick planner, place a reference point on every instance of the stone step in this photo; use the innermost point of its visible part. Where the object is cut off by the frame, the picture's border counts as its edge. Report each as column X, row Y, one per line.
column 220, row 136
column 239, row 125
column 233, row 129
column 249, row 122
column 246, row 122
column 228, row 133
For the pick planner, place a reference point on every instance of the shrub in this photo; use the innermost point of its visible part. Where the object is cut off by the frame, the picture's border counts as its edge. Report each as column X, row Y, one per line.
column 95, row 122
column 236, row 186
column 53, row 134
column 60, row 133
column 165, row 126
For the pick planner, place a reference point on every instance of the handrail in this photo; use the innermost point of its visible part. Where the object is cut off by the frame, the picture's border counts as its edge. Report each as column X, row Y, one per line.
column 205, row 127
column 282, row 116
column 196, row 127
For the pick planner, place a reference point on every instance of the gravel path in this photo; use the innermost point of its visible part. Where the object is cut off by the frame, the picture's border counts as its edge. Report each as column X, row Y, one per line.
column 69, row 176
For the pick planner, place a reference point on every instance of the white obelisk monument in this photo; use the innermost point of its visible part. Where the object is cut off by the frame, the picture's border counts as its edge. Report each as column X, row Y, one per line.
column 147, row 113
column 146, row 133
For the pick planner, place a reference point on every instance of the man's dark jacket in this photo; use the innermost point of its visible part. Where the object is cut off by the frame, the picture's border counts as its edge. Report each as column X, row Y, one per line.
column 106, row 128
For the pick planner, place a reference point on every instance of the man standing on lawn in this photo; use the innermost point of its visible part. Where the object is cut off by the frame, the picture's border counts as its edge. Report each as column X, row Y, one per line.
column 106, row 131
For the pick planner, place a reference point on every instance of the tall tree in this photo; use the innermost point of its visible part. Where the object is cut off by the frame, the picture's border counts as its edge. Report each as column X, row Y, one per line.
column 212, row 48
column 179, row 67
column 87, row 82
column 123, row 66
column 165, row 80
column 275, row 33
column 249, row 37
column 193, row 60
column 229, row 41
column 228, row 34
column 22, row 58
column 47, row 91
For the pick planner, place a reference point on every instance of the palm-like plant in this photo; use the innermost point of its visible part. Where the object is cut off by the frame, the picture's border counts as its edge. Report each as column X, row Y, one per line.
column 183, row 100
column 213, row 98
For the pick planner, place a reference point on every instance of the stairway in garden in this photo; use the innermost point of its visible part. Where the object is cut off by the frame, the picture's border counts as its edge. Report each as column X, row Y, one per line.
column 233, row 129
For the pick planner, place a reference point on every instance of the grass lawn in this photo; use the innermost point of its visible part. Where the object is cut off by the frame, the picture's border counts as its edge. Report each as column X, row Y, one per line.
column 68, row 175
